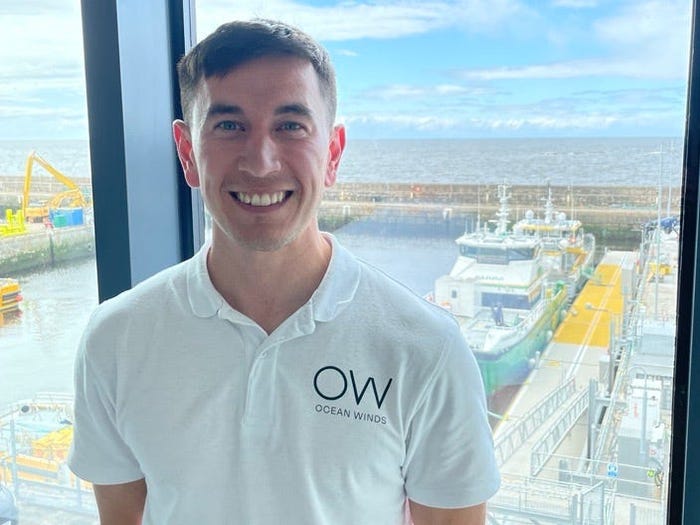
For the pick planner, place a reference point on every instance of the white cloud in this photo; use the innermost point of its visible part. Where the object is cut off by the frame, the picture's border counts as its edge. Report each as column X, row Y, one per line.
column 41, row 58
column 634, row 67
column 41, row 67
column 547, row 122
column 346, row 53
column 404, row 91
column 381, row 19
column 653, row 35
column 423, row 123
column 644, row 40
column 586, row 112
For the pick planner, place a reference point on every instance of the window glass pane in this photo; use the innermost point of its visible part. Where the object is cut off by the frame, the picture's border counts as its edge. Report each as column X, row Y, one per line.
column 519, row 164
column 47, row 265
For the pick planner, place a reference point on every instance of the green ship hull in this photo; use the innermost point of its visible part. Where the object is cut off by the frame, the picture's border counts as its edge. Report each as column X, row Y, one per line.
column 511, row 365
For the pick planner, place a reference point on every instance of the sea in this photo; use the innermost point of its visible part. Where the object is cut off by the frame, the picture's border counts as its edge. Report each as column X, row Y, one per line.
column 646, row 161
column 37, row 349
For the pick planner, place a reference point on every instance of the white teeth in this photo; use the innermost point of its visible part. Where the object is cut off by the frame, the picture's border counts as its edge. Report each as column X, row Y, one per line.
column 261, row 200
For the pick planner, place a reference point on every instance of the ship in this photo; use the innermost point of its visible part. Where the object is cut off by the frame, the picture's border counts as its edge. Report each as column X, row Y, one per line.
column 35, row 438
column 568, row 251
column 10, row 296
column 501, row 292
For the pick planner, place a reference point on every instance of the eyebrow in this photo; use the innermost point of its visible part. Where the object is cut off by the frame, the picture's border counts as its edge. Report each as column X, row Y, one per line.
column 296, row 109
column 223, row 109
column 231, row 109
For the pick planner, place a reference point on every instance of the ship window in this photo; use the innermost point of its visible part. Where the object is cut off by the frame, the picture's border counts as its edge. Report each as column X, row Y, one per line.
column 468, row 251
column 520, row 254
column 454, row 294
column 488, row 255
column 518, row 302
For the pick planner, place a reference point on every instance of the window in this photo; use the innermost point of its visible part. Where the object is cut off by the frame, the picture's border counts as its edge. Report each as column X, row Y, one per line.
column 504, row 135
column 47, row 256
column 564, row 121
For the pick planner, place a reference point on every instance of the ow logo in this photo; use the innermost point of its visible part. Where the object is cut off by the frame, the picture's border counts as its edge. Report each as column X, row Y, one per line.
column 331, row 383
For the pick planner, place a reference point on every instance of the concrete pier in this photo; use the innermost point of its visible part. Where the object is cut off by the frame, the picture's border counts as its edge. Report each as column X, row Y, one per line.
column 45, row 247
column 569, row 443
column 593, row 205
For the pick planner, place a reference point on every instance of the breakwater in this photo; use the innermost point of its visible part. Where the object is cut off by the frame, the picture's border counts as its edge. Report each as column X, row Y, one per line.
column 615, row 215
column 45, row 248
column 577, row 198
column 573, row 200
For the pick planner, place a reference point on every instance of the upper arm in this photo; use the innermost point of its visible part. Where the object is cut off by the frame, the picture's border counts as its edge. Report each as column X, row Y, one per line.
column 450, row 461
column 121, row 504
column 422, row 515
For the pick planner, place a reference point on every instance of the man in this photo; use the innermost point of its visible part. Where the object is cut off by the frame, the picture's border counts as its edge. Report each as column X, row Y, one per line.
column 274, row 378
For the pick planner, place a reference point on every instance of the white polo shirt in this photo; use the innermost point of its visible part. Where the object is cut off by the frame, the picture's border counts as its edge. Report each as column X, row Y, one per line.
column 365, row 396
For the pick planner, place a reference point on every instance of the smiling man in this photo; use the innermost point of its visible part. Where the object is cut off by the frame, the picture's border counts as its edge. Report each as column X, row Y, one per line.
column 274, row 378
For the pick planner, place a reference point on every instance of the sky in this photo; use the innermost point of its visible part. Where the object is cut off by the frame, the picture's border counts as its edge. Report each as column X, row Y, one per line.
column 411, row 68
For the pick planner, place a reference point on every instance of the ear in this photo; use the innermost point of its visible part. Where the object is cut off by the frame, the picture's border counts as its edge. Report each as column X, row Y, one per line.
column 185, row 152
column 335, row 151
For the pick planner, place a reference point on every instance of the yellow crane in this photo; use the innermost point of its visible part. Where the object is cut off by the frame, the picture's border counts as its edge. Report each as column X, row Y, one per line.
column 72, row 197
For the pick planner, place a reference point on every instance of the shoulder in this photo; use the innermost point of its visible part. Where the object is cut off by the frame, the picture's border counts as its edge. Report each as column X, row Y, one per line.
column 143, row 301
column 399, row 302
column 410, row 332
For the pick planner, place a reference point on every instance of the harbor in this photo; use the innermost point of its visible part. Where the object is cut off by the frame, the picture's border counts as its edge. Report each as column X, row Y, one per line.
column 558, row 432
column 615, row 215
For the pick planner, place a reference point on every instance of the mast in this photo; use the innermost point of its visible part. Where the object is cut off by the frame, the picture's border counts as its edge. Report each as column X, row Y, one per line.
column 503, row 210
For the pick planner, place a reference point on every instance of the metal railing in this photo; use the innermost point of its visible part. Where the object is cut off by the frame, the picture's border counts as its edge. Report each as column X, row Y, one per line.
column 517, row 434
column 543, row 451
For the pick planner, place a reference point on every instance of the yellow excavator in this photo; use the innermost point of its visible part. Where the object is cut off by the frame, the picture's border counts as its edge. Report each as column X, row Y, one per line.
column 70, row 198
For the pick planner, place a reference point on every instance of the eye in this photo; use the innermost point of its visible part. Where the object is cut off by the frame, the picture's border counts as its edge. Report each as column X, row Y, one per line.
column 229, row 125
column 291, row 126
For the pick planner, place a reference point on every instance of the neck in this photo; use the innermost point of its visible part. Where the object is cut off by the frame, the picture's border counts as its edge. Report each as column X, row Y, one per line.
column 268, row 286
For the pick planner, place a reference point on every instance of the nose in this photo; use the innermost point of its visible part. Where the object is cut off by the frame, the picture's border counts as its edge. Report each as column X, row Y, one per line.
column 260, row 157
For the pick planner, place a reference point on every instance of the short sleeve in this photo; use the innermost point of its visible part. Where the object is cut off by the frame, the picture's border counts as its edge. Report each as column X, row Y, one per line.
column 98, row 453
column 450, row 461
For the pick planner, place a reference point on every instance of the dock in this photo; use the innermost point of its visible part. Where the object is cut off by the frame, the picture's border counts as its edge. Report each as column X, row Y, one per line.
column 608, row 212
column 44, row 247
column 586, row 438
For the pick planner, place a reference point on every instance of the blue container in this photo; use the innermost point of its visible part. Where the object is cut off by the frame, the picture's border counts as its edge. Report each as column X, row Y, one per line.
column 61, row 217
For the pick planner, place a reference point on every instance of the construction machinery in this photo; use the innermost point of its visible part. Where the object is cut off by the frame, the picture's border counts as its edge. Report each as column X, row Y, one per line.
column 70, row 198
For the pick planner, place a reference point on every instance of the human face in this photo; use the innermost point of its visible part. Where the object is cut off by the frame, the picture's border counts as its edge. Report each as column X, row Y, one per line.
column 262, row 150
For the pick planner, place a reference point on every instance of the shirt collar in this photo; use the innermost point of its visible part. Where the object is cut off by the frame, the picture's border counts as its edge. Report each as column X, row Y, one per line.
column 205, row 300
column 338, row 287
column 334, row 293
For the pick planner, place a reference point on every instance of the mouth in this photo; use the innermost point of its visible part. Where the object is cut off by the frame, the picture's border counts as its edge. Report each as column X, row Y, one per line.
column 261, row 200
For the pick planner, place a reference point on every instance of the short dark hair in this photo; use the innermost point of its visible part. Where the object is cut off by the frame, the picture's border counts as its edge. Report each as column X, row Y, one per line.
column 236, row 43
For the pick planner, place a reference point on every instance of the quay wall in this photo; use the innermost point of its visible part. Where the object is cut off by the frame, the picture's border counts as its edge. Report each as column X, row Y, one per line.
column 523, row 196
column 30, row 251
column 615, row 215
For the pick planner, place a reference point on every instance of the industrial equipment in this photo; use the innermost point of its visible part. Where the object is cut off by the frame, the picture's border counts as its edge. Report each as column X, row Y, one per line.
column 70, row 198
